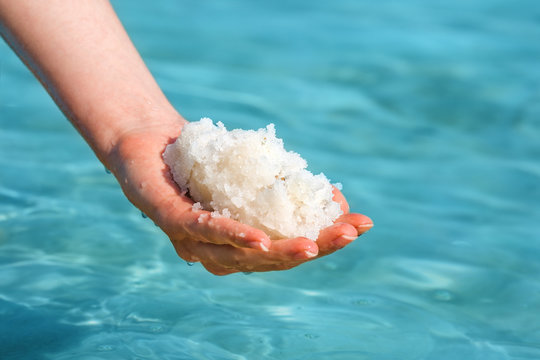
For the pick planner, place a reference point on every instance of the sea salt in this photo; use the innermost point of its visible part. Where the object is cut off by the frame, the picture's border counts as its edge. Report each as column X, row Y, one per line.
column 196, row 206
column 249, row 176
column 221, row 213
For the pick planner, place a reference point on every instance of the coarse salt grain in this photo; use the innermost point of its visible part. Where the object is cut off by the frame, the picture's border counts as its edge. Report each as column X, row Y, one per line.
column 249, row 176
column 196, row 206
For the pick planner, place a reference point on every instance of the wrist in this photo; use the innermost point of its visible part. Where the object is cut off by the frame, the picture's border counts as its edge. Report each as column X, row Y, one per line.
column 136, row 162
column 112, row 151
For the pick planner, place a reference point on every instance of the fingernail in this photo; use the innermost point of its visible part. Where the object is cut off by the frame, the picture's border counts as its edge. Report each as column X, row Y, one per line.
column 364, row 227
column 366, row 224
column 258, row 245
column 303, row 255
column 344, row 240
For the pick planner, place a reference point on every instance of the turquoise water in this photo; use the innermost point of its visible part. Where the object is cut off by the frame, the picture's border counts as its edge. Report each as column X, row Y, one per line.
column 428, row 112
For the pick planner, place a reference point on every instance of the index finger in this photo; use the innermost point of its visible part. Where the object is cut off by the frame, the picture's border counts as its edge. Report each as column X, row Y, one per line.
column 226, row 259
column 219, row 230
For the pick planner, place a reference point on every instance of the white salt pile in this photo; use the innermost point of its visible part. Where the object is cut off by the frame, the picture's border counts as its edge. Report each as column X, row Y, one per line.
column 248, row 175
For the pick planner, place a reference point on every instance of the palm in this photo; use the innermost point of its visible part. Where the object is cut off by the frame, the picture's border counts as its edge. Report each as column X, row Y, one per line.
column 222, row 245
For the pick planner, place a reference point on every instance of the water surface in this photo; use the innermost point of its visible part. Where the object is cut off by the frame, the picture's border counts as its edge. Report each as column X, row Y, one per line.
column 427, row 112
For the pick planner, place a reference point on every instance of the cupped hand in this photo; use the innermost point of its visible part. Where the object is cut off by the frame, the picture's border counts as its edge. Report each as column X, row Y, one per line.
column 222, row 245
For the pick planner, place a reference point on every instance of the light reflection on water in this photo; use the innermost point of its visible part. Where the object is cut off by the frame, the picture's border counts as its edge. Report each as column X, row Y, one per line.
column 427, row 113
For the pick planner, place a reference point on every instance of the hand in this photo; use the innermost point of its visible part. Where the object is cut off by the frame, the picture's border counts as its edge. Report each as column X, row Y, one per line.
column 115, row 103
column 222, row 245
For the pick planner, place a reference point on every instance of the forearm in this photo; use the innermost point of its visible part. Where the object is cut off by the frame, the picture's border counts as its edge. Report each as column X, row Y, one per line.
column 86, row 61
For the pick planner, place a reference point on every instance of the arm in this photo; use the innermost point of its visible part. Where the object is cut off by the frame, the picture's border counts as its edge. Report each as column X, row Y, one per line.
column 84, row 58
column 86, row 61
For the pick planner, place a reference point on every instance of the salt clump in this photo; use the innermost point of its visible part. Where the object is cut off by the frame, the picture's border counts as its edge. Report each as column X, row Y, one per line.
column 248, row 175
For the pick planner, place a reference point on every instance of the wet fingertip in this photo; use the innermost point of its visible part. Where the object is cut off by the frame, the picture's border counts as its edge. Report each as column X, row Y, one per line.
column 347, row 231
column 258, row 245
column 304, row 255
column 343, row 241
column 260, row 240
column 362, row 228
column 309, row 250
column 365, row 221
column 348, row 238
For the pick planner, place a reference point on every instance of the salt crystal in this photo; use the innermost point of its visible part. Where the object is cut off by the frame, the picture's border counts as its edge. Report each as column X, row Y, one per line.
column 223, row 213
column 201, row 218
column 249, row 176
column 196, row 207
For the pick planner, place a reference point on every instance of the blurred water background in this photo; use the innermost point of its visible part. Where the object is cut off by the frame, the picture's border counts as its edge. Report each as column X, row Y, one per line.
column 428, row 113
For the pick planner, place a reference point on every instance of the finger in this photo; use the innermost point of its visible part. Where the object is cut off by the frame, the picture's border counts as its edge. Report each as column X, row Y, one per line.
column 218, row 270
column 299, row 248
column 340, row 199
column 283, row 254
column 361, row 223
column 184, row 252
column 224, row 231
column 335, row 237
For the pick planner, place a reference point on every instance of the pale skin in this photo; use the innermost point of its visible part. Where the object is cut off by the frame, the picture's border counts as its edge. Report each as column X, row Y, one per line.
column 82, row 55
